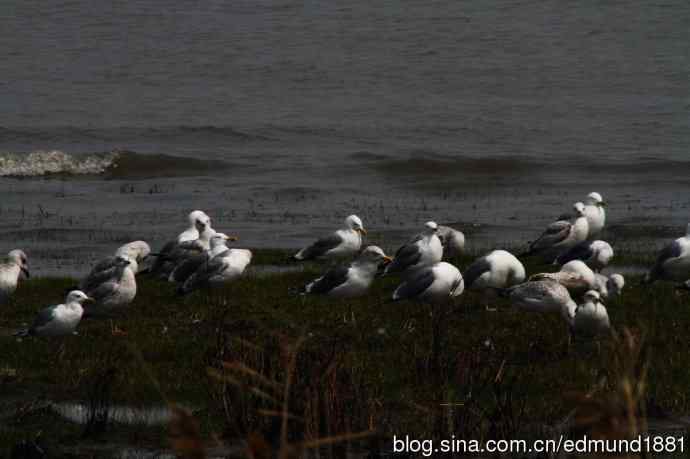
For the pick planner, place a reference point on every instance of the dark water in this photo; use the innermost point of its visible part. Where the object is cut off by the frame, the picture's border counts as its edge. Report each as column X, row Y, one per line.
column 494, row 115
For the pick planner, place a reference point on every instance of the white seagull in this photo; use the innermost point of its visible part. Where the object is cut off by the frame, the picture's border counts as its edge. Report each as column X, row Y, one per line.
column 596, row 254
column 353, row 280
column 344, row 242
column 12, row 270
column 561, row 235
column 438, row 283
column 673, row 262
column 497, row 269
column 590, row 319
column 609, row 287
column 59, row 320
column 452, row 240
column 595, row 213
column 224, row 267
column 423, row 250
column 198, row 222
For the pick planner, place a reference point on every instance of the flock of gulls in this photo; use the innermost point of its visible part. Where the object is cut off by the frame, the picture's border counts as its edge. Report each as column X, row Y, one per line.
column 199, row 258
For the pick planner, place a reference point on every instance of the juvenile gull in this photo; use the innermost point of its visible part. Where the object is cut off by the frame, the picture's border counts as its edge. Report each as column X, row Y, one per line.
column 673, row 262
column 59, row 320
column 344, row 242
column 561, row 236
column 438, row 283
column 137, row 251
column 596, row 254
column 12, row 270
column 353, row 280
column 595, row 213
column 452, row 240
column 423, row 250
column 590, row 319
column 113, row 295
column 544, row 295
column 224, row 267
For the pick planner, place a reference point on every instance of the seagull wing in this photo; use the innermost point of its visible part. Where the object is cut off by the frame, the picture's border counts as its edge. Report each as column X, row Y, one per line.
column 415, row 286
column 332, row 279
column 582, row 251
column 320, row 247
column 43, row 317
column 555, row 233
column 475, row 271
column 406, row 256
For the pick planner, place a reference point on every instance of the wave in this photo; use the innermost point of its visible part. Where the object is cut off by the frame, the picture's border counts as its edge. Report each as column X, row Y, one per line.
column 117, row 164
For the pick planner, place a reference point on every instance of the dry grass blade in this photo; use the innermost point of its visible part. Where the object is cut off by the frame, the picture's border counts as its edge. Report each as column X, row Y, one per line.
column 240, row 367
column 319, row 442
column 185, row 435
column 212, row 372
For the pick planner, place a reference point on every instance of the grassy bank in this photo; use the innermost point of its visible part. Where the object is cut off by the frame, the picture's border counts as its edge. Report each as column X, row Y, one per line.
column 363, row 365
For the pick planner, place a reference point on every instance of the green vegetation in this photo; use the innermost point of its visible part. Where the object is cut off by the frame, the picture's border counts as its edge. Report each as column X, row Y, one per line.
column 352, row 365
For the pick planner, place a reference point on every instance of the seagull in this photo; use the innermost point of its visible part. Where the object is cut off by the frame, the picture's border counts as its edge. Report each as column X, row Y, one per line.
column 194, row 238
column 453, row 241
column 135, row 251
column 188, row 265
column 597, row 254
column 224, row 267
column 198, row 221
column 574, row 276
column 609, row 287
column 673, row 262
column 561, row 235
column 14, row 269
column 438, row 283
column 353, row 280
column 342, row 243
column 59, row 320
column 497, row 269
column 595, row 213
column 544, row 295
column 423, row 250
column 112, row 295
column 589, row 319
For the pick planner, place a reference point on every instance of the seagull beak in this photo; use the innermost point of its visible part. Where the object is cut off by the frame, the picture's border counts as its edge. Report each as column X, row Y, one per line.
column 603, row 204
column 233, row 238
column 26, row 272
column 88, row 299
column 386, row 259
column 362, row 231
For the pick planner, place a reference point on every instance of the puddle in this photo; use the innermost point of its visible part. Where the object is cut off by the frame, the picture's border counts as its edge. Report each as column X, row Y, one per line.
column 118, row 414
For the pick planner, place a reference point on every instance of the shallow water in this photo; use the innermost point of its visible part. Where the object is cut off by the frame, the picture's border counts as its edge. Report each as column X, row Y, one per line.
column 281, row 118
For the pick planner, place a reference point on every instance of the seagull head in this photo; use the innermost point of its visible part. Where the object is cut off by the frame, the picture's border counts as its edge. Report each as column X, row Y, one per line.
column 592, row 296
column 137, row 250
column 199, row 220
column 219, row 239
column 430, row 227
column 355, row 223
column 595, row 199
column 579, row 209
column 374, row 254
column 616, row 283
column 19, row 257
column 77, row 296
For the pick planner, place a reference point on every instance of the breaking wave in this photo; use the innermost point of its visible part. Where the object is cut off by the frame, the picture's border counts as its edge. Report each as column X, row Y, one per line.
column 114, row 164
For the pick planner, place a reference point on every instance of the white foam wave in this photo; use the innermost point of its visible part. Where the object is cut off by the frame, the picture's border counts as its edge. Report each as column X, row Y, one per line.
column 38, row 163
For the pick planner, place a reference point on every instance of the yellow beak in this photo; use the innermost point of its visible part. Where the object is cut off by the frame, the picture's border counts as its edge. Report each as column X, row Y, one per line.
column 362, row 231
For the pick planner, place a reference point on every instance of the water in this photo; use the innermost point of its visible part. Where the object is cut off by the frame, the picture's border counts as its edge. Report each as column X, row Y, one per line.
column 492, row 115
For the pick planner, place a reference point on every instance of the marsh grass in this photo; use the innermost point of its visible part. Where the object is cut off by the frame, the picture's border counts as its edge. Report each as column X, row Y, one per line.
column 353, row 367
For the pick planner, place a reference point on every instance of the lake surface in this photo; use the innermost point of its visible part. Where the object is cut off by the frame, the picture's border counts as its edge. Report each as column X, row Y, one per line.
column 280, row 118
